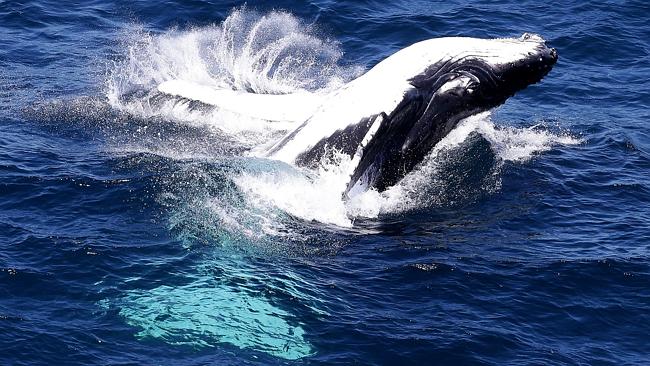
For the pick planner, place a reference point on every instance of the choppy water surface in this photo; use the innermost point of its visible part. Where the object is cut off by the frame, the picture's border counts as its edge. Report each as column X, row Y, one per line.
column 134, row 229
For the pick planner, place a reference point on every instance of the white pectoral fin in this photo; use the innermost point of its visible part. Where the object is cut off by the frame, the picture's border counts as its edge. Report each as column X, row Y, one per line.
column 360, row 185
column 271, row 107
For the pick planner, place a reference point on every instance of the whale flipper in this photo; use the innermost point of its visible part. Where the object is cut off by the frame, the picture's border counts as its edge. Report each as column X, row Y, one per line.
column 349, row 141
column 296, row 107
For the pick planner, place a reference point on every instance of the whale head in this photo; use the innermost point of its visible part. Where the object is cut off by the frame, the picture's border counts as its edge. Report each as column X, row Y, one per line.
column 449, row 79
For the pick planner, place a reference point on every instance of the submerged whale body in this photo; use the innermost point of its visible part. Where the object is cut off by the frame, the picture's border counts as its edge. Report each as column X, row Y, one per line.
column 391, row 117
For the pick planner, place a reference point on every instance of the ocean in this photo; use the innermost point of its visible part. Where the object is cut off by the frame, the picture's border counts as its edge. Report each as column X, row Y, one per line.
column 136, row 230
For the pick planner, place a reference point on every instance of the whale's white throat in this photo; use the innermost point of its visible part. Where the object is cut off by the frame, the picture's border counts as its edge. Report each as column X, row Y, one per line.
column 390, row 117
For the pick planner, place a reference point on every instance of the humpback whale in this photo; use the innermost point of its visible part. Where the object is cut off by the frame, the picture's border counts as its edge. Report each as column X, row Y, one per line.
column 388, row 119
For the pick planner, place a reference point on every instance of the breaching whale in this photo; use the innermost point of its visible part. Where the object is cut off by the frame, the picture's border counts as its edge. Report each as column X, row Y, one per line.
column 389, row 119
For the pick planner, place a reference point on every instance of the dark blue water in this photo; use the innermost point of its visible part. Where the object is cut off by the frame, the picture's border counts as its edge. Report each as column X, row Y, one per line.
column 135, row 233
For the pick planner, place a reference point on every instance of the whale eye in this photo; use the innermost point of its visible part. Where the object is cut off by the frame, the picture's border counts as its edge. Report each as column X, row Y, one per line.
column 459, row 85
column 472, row 86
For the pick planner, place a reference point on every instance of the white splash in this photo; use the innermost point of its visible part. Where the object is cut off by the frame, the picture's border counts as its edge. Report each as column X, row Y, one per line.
column 273, row 53
column 521, row 144
column 317, row 197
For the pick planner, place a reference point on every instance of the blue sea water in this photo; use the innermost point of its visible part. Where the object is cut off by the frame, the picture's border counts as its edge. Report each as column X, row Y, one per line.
column 136, row 232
